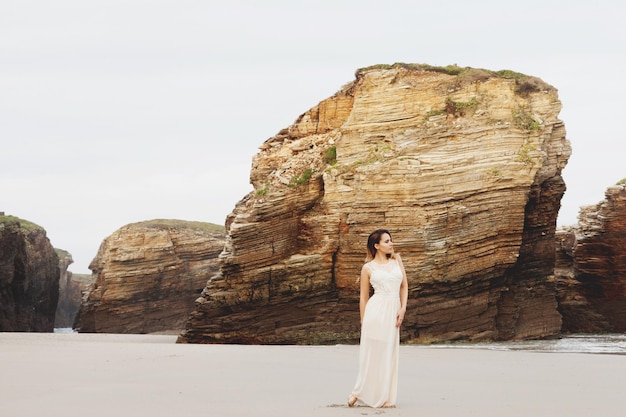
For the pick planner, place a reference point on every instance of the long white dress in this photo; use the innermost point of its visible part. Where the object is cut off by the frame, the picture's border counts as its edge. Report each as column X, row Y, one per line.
column 377, row 380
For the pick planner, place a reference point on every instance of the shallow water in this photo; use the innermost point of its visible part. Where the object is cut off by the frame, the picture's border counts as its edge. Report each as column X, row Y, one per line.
column 577, row 343
column 64, row 330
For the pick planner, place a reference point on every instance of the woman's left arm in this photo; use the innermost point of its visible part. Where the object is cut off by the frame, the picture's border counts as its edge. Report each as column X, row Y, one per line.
column 404, row 293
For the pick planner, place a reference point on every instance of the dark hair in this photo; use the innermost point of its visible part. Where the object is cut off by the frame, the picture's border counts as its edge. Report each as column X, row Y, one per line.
column 373, row 239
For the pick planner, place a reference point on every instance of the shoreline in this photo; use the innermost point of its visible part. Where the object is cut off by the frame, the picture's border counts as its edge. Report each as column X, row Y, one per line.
column 59, row 374
column 607, row 343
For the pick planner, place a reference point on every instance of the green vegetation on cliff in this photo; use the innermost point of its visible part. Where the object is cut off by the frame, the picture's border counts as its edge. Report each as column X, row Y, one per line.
column 524, row 84
column 8, row 221
column 297, row 181
column 85, row 279
column 330, row 156
column 179, row 224
column 62, row 253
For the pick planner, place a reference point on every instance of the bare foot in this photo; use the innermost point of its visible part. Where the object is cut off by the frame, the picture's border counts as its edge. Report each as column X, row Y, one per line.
column 387, row 405
column 352, row 400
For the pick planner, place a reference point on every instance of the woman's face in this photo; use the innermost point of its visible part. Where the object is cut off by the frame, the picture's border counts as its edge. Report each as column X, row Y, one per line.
column 385, row 245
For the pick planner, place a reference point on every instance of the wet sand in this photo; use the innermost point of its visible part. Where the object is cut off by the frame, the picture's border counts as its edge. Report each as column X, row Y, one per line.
column 151, row 376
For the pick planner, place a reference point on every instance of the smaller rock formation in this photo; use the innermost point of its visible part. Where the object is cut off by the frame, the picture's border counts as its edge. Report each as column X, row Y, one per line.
column 62, row 315
column 71, row 288
column 591, row 267
column 147, row 276
column 29, row 277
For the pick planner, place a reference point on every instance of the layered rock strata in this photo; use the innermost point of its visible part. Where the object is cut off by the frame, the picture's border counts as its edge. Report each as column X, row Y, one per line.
column 29, row 277
column 462, row 165
column 591, row 267
column 147, row 276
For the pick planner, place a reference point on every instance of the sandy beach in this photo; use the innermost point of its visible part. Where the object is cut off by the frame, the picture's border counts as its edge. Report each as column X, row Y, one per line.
column 151, row 376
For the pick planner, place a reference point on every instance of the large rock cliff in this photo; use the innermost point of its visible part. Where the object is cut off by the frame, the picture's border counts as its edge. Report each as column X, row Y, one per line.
column 147, row 276
column 591, row 267
column 29, row 277
column 462, row 165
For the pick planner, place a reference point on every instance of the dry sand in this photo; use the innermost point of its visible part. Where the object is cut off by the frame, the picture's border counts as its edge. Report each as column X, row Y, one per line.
column 151, row 376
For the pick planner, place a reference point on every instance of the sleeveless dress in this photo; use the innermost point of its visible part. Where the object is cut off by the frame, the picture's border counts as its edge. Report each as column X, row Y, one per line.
column 377, row 380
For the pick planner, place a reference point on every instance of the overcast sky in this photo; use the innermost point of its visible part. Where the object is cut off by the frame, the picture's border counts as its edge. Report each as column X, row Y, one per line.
column 113, row 112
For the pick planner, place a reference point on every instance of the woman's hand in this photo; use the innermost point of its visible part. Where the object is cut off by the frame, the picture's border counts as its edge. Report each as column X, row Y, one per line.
column 400, row 317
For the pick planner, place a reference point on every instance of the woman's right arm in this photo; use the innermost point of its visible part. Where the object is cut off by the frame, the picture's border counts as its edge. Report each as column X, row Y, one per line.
column 365, row 290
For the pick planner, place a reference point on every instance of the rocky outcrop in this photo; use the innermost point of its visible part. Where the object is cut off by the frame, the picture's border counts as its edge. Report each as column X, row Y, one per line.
column 71, row 289
column 66, row 303
column 147, row 276
column 29, row 277
column 591, row 267
column 462, row 165
column 70, row 298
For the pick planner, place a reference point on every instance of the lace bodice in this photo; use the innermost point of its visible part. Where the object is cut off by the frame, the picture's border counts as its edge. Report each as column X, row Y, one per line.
column 385, row 278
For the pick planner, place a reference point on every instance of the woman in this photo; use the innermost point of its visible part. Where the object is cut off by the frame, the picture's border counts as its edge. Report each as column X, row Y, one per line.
column 381, row 317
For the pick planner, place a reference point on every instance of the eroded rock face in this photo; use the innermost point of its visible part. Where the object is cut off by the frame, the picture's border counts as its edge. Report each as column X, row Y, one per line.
column 71, row 289
column 29, row 277
column 462, row 165
column 147, row 276
column 592, row 277
column 67, row 300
